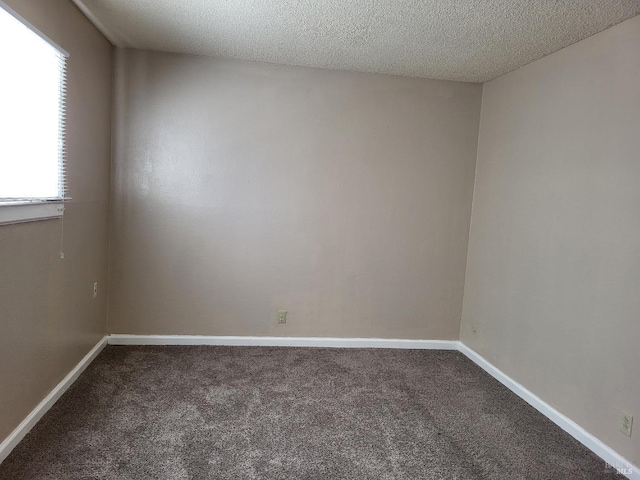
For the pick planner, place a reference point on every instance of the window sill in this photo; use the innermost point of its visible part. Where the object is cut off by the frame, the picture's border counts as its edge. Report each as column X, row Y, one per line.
column 20, row 212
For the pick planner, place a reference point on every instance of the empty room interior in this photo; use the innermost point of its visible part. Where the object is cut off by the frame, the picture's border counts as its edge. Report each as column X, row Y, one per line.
column 279, row 239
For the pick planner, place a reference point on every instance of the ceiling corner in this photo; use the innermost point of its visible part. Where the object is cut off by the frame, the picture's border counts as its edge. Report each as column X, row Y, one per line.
column 109, row 34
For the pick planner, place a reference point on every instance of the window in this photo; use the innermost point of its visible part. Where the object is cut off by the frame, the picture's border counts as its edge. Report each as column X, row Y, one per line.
column 32, row 94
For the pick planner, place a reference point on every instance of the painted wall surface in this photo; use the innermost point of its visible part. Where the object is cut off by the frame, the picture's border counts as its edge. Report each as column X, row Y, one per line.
column 244, row 188
column 554, row 255
column 48, row 315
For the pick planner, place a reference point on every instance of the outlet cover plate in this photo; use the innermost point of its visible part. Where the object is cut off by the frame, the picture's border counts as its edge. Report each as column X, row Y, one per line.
column 627, row 423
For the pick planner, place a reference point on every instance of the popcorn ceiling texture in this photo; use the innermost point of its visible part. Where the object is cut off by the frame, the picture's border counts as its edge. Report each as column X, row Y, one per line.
column 470, row 40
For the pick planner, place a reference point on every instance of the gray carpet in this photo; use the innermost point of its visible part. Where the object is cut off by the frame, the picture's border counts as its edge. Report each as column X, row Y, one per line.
column 293, row 413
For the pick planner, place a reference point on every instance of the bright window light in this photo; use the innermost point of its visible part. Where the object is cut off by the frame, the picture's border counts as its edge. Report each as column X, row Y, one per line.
column 32, row 86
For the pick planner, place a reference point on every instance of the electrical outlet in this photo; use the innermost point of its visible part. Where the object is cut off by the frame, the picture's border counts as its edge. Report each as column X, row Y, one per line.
column 282, row 316
column 627, row 423
column 95, row 290
column 474, row 328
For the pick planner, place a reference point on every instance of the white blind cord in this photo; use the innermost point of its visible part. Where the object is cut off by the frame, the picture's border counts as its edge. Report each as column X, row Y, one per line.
column 61, row 253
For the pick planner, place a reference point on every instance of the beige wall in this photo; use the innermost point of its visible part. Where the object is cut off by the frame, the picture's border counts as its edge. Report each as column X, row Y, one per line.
column 244, row 188
column 48, row 316
column 554, row 255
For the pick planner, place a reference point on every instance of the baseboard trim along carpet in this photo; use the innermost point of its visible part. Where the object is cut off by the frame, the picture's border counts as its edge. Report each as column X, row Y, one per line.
column 576, row 431
column 43, row 407
column 326, row 342
column 606, row 453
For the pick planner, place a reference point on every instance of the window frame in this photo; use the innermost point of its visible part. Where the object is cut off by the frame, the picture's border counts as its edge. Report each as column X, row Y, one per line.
column 33, row 209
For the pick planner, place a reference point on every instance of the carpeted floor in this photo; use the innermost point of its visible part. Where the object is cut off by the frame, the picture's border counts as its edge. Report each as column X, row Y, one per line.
column 293, row 413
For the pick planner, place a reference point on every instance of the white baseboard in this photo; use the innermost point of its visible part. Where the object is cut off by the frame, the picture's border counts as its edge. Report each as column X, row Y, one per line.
column 36, row 414
column 327, row 342
column 576, row 431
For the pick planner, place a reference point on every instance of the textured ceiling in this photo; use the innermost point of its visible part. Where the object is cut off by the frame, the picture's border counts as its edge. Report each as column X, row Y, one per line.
column 468, row 40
